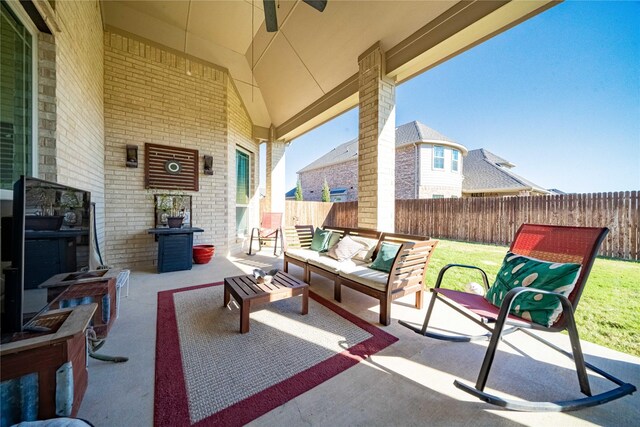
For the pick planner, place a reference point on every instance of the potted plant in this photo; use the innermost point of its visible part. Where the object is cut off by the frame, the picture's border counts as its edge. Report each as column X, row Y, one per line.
column 40, row 200
column 174, row 206
column 69, row 201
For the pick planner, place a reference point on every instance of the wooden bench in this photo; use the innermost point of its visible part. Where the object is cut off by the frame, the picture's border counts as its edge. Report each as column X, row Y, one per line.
column 406, row 275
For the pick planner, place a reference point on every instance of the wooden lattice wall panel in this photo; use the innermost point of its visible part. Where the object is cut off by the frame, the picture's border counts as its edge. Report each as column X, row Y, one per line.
column 157, row 175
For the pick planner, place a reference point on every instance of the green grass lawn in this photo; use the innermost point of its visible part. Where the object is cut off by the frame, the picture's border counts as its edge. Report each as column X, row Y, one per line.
column 609, row 307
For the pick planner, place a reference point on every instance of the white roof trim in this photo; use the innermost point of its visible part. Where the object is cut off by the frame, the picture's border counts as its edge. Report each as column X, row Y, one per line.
column 460, row 147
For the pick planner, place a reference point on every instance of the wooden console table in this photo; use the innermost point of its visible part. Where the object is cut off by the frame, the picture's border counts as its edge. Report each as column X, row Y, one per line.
column 175, row 247
column 48, row 253
column 43, row 354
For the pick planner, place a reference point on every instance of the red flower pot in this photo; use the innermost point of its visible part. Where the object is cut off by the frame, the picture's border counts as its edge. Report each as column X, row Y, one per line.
column 202, row 254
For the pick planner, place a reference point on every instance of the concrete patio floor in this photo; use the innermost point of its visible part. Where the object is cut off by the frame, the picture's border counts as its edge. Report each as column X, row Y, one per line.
column 408, row 383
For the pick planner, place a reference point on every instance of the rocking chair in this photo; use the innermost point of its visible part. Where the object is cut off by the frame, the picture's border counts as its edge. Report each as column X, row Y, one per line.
column 270, row 230
column 557, row 244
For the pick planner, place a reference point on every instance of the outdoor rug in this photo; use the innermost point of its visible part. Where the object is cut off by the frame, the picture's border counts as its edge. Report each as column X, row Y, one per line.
column 207, row 373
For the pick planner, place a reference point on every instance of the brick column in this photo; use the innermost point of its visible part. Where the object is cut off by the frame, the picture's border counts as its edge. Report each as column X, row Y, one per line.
column 47, row 114
column 275, row 176
column 376, row 143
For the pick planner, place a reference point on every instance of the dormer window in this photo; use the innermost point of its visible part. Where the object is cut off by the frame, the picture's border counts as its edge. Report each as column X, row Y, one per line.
column 438, row 157
column 455, row 156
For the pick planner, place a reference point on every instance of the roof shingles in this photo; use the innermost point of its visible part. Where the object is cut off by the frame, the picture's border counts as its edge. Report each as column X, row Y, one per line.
column 483, row 171
column 407, row 133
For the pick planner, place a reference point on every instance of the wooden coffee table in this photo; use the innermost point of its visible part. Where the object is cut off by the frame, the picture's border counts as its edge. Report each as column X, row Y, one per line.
column 247, row 292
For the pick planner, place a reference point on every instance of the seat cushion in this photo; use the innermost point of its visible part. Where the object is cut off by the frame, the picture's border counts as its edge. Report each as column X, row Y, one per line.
column 302, row 254
column 334, row 266
column 519, row 270
column 369, row 277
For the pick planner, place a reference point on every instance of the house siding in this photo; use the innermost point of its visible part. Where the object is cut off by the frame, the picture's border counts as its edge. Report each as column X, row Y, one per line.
column 438, row 182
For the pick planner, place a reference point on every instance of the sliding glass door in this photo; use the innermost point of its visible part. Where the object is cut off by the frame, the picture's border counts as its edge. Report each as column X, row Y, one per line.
column 243, row 188
column 16, row 99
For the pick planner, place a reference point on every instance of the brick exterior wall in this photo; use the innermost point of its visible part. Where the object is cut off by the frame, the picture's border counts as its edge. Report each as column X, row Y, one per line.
column 343, row 175
column 240, row 129
column 79, row 101
column 47, row 112
column 376, row 144
column 150, row 97
column 406, row 172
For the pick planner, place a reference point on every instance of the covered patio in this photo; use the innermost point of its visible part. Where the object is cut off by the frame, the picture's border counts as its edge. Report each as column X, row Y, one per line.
column 407, row 383
column 208, row 77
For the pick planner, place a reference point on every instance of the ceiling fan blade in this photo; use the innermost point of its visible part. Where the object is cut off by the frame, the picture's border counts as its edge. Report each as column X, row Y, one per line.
column 270, row 18
column 318, row 5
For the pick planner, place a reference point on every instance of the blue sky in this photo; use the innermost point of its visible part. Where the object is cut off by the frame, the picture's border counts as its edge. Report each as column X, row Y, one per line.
column 558, row 96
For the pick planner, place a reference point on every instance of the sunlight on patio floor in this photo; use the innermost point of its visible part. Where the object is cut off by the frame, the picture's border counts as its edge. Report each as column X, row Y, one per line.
column 408, row 383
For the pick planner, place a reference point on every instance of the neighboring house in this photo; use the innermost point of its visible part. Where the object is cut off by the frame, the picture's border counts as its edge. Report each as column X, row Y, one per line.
column 488, row 175
column 556, row 192
column 291, row 194
column 428, row 165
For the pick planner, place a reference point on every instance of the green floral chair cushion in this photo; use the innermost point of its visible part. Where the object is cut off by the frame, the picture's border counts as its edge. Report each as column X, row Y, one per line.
column 519, row 270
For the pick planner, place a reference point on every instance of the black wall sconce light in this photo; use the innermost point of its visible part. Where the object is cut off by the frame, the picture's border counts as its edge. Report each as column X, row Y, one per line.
column 132, row 156
column 208, row 165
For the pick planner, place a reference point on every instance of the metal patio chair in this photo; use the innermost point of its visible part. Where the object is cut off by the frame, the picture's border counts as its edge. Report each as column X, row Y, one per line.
column 558, row 244
column 270, row 230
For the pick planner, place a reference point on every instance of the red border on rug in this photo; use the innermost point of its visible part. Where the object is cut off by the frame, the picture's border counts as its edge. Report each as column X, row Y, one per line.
column 171, row 407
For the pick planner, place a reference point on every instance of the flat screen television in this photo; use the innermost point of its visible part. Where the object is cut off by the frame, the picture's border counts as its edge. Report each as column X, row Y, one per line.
column 45, row 232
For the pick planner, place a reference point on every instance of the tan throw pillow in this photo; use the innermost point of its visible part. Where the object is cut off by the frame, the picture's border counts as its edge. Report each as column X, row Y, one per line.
column 369, row 247
column 345, row 249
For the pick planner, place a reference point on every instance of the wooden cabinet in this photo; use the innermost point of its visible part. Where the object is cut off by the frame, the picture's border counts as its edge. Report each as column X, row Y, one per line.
column 175, row 248
column 97, row 286
column 48, row 253
column 43, row 357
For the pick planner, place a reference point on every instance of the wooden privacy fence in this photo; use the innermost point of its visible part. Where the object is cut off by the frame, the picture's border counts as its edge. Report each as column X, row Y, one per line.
column 495, row 219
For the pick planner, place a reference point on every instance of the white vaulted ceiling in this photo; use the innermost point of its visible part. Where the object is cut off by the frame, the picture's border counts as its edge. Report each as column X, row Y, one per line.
column 282, row 75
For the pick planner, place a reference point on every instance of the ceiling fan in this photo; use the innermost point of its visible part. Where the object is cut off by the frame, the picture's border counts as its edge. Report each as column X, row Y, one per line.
column 270, row 18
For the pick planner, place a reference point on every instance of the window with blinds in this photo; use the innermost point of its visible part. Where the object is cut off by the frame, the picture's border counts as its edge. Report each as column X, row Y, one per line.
column 16, row 109
column 438, row 157
column 455, row 156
